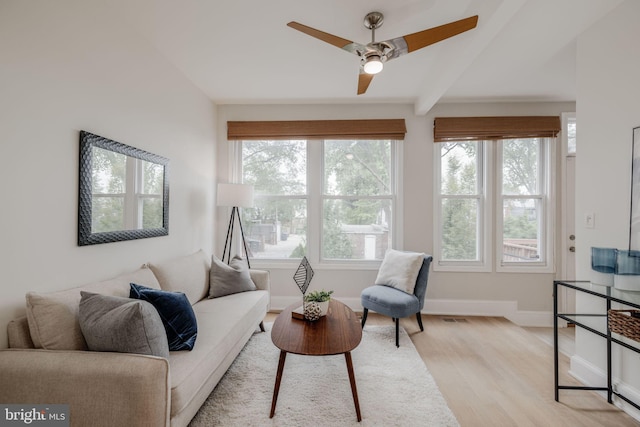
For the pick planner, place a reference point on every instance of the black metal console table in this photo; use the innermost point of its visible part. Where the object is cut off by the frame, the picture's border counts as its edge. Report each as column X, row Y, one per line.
column 599, row 325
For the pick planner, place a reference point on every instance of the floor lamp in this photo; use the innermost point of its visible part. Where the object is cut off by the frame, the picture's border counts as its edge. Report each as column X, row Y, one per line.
column 236, row 196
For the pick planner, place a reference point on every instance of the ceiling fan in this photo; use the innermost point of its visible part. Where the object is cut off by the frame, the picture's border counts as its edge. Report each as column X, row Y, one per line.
column 373, row 55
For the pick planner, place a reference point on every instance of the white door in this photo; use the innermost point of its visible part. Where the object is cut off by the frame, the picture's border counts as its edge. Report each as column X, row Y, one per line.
column 567, row 301
column 568, row 297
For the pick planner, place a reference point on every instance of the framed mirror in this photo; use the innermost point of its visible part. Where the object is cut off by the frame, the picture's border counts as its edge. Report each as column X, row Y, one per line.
column 123, row 192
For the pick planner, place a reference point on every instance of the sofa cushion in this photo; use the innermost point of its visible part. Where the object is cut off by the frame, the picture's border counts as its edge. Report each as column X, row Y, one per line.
column 229, row 279
column 228, row 322
column 122, row 325
column 188, row 274
column 175, row 312
column 400, row 270
column 53, row 317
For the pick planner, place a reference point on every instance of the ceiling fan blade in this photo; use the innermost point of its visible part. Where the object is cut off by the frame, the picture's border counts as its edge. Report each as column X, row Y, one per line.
column 363, row 81
column 325, row 37
column 433, row 35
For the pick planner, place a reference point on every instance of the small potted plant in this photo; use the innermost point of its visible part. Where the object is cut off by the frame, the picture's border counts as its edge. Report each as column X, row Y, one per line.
column 321, row 298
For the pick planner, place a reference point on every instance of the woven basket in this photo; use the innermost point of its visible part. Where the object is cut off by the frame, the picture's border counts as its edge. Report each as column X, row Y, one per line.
column 624, row 323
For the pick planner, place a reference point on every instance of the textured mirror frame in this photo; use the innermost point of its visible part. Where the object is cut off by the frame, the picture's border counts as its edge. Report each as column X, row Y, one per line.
column 86, row 236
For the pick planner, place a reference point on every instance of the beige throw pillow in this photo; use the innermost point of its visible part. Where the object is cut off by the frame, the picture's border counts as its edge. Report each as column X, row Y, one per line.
column 53, row 317
column 188, row 274
column 230, row 279
column 400, row 270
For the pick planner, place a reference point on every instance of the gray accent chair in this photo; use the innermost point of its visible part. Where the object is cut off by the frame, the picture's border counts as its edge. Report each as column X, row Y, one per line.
column 395, row 303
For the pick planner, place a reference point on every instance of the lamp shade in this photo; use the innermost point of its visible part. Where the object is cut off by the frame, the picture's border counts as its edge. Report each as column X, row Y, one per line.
column 373, row 65
column 240, row 195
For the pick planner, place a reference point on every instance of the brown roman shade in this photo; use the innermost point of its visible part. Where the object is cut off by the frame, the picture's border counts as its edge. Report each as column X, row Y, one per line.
column 483, row 128
column 318, row 129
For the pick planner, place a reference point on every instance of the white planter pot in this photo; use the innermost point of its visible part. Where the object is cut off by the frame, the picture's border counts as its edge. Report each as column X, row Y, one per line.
column 324, row 306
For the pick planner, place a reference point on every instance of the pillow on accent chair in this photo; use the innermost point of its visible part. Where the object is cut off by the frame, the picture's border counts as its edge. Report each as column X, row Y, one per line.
column 122, row 325
column 176, row 314
column 229, row 279
column 400, row 270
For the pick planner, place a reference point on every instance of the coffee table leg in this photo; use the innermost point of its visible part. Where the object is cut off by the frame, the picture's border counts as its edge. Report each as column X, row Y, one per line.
column 276, row 388
column 352, row 380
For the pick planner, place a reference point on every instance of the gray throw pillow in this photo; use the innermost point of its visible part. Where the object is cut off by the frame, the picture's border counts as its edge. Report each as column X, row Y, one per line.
column 122, row 325
column 229, row 279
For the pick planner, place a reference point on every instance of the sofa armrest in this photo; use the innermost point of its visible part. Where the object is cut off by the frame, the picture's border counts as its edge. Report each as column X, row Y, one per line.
column 101, row 389
column 261, row 279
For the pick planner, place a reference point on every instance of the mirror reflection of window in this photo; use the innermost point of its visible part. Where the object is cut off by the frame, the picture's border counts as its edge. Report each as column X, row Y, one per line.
column 127, row 193
column 108, row 181
column 150, row 195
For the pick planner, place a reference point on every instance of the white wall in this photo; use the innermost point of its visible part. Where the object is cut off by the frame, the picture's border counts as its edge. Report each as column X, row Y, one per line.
column 525, row 298
column 608, row 108
column 67, row 66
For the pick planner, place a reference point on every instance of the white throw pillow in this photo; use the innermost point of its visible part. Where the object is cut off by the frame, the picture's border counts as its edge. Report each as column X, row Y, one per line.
column 400, row 270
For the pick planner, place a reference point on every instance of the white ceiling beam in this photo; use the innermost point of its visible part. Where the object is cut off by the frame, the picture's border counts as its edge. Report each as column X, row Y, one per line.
column 451, row 63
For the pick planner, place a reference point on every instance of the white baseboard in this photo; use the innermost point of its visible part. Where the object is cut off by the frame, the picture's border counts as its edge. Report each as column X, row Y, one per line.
column 507, row 309
column 592, row 376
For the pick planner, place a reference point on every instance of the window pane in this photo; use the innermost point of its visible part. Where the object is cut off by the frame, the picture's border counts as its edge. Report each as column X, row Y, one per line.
column 153, row 178
column 107, row 214
column 152, row 212
column 521, row 230
column 356, row 229
column 520, row 166
column 459, row 171
column 275, row 167
column 109, row 172
column 357, row 168
column 459, row 230
column 276, row 228
column 571, row 136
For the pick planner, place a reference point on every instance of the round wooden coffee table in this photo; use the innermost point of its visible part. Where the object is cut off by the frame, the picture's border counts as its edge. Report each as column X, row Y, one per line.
column 338, row 332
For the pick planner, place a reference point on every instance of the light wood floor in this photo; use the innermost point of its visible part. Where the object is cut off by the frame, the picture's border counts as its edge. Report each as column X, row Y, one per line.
column 495, row 373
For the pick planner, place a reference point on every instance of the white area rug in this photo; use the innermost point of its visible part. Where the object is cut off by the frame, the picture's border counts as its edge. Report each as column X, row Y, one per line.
column 394, row 387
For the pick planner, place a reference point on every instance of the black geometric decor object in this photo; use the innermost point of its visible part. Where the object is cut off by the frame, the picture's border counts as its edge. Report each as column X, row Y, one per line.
column 303, row 275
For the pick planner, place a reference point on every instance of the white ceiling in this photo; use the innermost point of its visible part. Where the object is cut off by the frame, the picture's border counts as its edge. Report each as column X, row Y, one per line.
column 242, row 52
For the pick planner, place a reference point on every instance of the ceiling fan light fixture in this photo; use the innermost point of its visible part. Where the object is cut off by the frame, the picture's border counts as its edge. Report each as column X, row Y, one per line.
column 372, row 65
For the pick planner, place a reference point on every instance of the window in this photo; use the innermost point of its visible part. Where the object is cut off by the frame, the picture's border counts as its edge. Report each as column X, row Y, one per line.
column 329, row 200
column 464, row 203
column 277, row 225
column 523, row 201
column 357, row 199
column 461, row 202
column 494, row 193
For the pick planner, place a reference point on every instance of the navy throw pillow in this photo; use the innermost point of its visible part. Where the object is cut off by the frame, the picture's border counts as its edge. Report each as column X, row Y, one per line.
column 176, row 314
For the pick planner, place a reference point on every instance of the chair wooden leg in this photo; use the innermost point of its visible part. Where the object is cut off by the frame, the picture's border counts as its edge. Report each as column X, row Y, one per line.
column 398, row 333
column 262, row 326
column 419, row 317
column 364, row 316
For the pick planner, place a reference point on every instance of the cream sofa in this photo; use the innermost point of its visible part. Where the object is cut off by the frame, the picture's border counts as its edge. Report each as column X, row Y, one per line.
column 123, row 389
